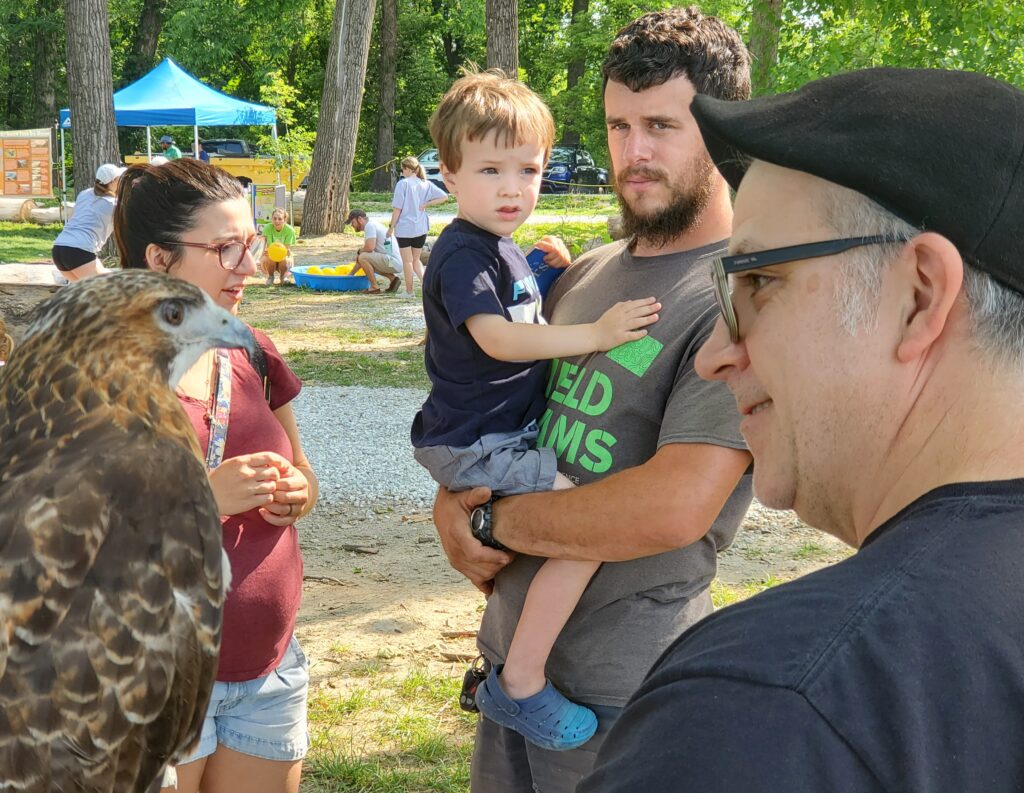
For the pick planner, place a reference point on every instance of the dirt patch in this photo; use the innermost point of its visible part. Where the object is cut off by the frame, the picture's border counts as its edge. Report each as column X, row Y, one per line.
column 379, row 590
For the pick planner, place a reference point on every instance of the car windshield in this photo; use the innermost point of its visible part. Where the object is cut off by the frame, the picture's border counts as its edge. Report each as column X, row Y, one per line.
column 429, row 157
column 561, row 154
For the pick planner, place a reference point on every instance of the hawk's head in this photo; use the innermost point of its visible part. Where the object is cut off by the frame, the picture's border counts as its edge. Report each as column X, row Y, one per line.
column 145, row 321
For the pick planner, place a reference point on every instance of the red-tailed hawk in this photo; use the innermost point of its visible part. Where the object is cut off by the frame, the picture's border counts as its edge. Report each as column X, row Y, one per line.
column 111, row 578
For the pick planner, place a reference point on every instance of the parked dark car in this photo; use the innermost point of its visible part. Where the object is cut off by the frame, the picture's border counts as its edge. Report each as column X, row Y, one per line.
column 571, row 169
column 227, row 147
column 431, row 162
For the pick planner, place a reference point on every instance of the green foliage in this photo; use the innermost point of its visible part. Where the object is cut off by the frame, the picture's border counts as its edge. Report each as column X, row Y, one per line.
column 275, row 51
column 26, row 242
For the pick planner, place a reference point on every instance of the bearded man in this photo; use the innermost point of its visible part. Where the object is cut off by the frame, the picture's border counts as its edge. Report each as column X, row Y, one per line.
column 655, row 451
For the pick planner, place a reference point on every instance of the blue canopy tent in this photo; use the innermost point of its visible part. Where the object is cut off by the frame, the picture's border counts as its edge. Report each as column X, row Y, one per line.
column 170, row 96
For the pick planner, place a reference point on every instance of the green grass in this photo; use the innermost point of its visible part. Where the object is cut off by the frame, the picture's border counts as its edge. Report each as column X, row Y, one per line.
column 26, row 242
column 726, row 594
column 575, row 234
column 389, row 735
column 401, row 369
column 566, row 204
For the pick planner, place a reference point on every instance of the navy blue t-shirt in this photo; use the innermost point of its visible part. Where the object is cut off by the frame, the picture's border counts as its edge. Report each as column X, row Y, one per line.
column 900, row 669
column 472, row 271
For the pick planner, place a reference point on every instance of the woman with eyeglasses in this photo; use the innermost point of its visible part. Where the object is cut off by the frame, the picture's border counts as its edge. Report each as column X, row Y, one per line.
column 192, row 221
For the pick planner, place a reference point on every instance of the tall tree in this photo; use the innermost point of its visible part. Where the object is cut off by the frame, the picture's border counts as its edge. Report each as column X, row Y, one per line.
column 90, row 88
column 142, row 56
column 382, row 179
column 46, row 59
column 503, row 36
column 573, row 73
column 765, row 23
column 327, row 198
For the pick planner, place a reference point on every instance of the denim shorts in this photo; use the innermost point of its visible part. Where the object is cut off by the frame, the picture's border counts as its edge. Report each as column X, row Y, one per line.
column 265, row 717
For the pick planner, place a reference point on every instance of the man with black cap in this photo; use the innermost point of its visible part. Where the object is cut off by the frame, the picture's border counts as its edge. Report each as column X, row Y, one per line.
column 872, row 333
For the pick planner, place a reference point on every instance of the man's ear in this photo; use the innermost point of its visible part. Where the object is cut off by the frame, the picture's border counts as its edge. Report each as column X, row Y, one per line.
column 934, row 271
column 157, row 258
column 449, row 179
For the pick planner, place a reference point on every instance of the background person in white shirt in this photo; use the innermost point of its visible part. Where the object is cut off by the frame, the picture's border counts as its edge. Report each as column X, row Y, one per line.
column 77, row 247
column 377, row 256
column 409, row 221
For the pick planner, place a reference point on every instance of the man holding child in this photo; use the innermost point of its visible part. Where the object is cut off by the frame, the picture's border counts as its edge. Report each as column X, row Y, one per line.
column 655, row 451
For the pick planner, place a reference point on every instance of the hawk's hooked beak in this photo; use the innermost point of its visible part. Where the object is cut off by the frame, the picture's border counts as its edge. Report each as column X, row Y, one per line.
column 230, row 331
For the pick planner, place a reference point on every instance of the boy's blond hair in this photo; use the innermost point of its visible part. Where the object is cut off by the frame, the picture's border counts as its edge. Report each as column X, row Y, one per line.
column 485, row 101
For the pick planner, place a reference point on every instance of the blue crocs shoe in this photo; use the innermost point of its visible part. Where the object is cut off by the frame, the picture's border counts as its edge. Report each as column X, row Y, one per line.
column 546, row 719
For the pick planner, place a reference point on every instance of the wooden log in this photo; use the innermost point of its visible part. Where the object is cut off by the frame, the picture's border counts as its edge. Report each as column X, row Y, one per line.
column 45, row 215
column 16, row 209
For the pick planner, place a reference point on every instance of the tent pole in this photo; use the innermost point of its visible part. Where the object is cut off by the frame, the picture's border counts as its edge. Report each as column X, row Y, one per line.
column 195, row 142
column 149, row 145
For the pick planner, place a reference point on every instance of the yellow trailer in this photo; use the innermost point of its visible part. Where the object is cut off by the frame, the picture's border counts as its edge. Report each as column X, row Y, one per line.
column 250, row 170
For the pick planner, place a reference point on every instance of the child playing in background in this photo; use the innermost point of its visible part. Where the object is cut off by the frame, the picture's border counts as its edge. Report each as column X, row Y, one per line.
column 485, row 336
column 278, row 230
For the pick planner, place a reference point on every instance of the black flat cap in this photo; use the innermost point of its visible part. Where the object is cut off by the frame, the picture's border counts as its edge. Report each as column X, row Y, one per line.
column 942, row 150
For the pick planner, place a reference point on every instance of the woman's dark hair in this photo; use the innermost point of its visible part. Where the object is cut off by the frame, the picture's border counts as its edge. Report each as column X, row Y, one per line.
column 158, row 204
column 662, row 45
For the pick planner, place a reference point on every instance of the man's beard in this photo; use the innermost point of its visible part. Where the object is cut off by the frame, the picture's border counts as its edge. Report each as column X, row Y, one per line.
column 683, row 213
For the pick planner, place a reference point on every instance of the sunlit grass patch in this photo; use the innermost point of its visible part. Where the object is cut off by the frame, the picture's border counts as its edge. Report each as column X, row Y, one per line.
column 726, row 594
column 390, row 735
column 400, row 369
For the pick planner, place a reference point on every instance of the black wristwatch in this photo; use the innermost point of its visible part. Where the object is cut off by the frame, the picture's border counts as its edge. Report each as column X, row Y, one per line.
column 481, row 524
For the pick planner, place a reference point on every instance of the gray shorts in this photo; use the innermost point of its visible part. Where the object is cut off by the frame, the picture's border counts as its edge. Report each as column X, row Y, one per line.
column 506, row 462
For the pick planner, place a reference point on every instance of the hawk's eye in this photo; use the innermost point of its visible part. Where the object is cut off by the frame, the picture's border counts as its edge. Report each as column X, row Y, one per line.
column 174, row 312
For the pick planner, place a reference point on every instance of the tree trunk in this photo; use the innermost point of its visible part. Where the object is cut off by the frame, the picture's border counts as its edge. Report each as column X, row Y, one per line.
column 44, row 71
column 573, row 72
column 327, row 198
column 503, row 36
column 765, row 23
column 143, row 52
column 386, row 73
column 90, row 89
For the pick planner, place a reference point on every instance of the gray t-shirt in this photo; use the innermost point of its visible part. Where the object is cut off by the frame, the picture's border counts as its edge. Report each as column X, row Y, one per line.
column 608, row 412
column 91, row 223
column 411, row 193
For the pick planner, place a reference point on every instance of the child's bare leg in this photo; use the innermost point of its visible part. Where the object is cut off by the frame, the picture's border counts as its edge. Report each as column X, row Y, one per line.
column 551, row 599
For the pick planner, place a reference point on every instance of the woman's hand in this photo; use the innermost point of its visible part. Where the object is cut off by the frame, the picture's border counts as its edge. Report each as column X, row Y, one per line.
column 290, row 498
column 245, row 482
column 556, row 253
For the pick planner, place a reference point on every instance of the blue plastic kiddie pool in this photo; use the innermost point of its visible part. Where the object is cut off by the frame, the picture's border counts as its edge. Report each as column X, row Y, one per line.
column 330, row 283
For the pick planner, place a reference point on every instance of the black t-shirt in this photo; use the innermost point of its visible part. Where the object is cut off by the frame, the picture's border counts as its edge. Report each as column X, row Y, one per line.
column 901, row 669
column 473, row 272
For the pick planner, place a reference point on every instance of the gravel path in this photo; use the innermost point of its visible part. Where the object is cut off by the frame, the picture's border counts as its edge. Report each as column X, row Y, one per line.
column 357, row 439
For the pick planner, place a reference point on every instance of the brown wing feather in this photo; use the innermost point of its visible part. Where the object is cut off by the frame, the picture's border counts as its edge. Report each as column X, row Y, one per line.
column 110, row 574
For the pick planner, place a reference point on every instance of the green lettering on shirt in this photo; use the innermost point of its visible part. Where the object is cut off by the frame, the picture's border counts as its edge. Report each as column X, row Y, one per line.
column 592, row 406
column 637, row 356
column 566, row 443
column 598, row 458
column 552, row 371
column 565, row 373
